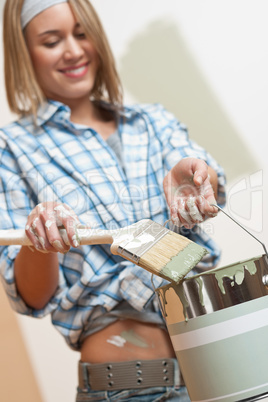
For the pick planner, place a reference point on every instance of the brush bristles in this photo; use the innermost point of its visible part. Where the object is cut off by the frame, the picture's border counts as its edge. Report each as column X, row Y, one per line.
column 162, row 252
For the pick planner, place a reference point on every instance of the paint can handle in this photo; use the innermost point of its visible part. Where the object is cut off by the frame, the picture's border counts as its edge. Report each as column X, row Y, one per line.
column 239, row 224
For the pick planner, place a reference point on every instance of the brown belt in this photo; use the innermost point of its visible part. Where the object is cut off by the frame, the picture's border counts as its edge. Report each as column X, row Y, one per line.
column 129, row 374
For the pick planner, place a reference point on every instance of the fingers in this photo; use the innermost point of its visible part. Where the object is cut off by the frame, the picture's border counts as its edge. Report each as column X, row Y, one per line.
column 189, row 192
column 206, row 199
column 37, row 237
column 66, row 217
column 206, row 208
column 200, row 172
column 189, row 210
column 186, row 212
column 43, row 227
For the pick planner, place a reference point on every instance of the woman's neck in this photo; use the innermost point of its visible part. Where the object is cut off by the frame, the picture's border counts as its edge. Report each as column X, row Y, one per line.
column 90, row 114
column 83, row 112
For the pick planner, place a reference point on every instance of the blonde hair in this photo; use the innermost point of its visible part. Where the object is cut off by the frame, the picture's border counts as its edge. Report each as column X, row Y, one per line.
column 24, row 94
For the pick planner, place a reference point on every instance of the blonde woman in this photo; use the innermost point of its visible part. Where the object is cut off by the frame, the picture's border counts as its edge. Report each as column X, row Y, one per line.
column 77, row 155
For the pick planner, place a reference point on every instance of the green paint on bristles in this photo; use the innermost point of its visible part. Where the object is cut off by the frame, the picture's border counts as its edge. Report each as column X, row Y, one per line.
column 172, row 257
column 182, row 263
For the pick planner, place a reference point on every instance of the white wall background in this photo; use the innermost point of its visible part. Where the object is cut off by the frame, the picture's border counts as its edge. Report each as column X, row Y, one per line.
column 206, row 61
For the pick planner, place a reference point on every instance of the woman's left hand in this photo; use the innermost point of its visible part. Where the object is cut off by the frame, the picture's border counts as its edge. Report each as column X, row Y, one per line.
column 189, row 192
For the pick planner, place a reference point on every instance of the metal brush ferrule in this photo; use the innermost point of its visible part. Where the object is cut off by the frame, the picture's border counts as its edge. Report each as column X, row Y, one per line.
column 128, row 255
column 145, row 238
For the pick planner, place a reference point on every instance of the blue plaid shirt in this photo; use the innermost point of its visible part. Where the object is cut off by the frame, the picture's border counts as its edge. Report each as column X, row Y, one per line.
column 70, row 163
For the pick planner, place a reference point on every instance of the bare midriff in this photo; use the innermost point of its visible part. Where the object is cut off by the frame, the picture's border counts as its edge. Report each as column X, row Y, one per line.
column 127, row 340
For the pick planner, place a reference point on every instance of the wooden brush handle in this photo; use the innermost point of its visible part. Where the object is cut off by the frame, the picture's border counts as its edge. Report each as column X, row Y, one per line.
column 12, row 236
column 86, row 236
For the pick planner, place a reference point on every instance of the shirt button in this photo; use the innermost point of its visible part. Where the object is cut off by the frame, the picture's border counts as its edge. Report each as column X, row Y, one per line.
column 86, row 134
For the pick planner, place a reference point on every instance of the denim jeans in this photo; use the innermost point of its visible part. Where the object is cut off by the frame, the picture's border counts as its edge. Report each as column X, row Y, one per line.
column 154, row 394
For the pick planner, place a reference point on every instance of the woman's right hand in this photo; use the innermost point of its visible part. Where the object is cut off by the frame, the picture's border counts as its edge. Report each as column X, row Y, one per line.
column 43, row 225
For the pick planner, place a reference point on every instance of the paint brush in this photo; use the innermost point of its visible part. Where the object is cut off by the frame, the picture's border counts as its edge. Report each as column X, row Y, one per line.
column 145, row 243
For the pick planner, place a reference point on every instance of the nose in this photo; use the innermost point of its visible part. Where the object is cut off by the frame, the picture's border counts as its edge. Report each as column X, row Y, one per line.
column 73, row 49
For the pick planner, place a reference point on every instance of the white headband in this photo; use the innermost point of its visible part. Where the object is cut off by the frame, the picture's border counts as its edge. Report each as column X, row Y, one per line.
column 31, row 8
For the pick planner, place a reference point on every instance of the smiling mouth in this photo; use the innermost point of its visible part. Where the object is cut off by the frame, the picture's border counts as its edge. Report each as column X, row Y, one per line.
column 75, row 71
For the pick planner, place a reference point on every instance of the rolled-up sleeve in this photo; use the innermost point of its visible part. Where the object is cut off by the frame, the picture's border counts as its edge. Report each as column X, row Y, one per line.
column 177, row 145
column 15, row 206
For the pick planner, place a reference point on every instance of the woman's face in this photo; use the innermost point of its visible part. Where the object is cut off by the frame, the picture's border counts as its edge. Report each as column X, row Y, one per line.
column 65, row 62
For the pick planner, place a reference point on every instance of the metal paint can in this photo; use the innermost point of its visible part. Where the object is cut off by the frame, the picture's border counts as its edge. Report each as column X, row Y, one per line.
column 218, row 325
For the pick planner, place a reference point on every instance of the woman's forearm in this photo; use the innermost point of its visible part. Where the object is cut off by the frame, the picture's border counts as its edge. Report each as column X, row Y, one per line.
column 36, row 276
column 37, row 271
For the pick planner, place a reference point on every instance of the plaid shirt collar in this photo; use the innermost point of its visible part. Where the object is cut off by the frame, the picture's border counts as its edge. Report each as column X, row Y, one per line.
column 51, row 109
